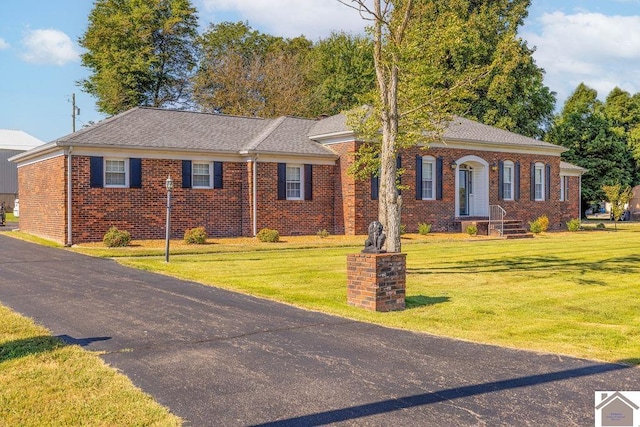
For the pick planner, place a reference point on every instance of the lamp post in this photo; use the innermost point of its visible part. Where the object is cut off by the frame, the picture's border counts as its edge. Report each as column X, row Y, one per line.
column 169, row 186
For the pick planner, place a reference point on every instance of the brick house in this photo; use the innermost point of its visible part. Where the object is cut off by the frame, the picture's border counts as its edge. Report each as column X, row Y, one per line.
column 237, row 175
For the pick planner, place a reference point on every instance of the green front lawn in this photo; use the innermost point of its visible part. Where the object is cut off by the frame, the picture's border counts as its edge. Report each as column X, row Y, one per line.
column 569, row 293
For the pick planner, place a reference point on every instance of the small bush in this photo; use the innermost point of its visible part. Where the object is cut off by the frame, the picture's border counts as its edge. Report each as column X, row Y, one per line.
column 196, row 236
column 403, row 229
column 424, row 228
column 115, row 238
column 574, row 225
column 540, row 225
column 472, row 230
column 322, row 234
column 268, row 235
column 600, row 225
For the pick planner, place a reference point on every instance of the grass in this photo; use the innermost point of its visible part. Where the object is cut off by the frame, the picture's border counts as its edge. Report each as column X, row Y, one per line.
column 45, row 382
column 567, row 293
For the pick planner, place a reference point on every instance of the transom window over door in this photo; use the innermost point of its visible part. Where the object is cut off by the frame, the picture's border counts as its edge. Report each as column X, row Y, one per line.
column 294, row 182
column 201, row 175
column 115, row 173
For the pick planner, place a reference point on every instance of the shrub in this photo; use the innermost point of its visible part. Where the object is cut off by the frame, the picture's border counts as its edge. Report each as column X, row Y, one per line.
column 472, row 230
column 535, row 227
column 323, row 233
column 196, row 236
column 268, row 235
column 540, row 225
column 600, row 225
column 574, row 225
column 403, row 229
column 116, row 238
column 424, row 228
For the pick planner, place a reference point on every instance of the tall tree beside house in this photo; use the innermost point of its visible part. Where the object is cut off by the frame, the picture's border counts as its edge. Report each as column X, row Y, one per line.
column 427, row 67
column 139, row 53
column 245, row 72
column 583, row 127
column 623, row 110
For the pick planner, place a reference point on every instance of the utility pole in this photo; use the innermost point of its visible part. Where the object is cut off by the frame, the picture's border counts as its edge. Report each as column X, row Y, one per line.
column 75, row 111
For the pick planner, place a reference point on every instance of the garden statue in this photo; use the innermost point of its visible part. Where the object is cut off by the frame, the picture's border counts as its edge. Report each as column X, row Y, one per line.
column 375, row 241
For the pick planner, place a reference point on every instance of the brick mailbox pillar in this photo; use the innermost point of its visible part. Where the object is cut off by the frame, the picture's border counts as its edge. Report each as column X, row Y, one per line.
column 377, row 282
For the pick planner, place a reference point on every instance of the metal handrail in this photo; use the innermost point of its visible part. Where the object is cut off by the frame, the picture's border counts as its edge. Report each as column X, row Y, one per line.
column 496, row 219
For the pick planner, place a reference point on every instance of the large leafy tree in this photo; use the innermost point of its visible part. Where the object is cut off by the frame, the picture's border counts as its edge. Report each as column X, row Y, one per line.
column 139, row 52
column 245, row 72
column 593, row 142
column 340, row 71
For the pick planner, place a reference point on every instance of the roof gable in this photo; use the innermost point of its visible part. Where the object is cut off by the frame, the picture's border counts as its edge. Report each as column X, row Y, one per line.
column 17, row 140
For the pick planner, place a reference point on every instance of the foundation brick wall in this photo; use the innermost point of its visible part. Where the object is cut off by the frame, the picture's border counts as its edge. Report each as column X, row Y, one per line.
column 43, row 208
column 376, row 282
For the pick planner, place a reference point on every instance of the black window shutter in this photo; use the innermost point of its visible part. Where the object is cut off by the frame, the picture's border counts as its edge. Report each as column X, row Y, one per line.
column 399, row 178
column 516, row 182
column 217, row 175
column 533, row 181
column 439, row 178
column 500, row 180
column 282, row 181
column 547, row 186
column 418, row 177
column 186, row 174
column 135, row 173
column 96, row 175
column 375, row 186
column 308, row 182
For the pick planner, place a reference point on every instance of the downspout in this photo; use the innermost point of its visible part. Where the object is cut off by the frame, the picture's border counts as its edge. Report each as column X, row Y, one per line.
column 255, row 195
column 580, row 199
column 69, row 201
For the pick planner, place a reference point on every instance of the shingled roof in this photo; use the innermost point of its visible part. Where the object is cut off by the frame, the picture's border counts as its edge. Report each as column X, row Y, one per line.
column 154, row 128
column 459, row 129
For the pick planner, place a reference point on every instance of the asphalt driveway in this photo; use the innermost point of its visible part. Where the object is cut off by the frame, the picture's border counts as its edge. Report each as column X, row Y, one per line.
column 219, row 358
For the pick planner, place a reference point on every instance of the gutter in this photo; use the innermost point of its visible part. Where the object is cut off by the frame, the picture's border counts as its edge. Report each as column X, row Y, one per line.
column 254, row 195
column 69, row 199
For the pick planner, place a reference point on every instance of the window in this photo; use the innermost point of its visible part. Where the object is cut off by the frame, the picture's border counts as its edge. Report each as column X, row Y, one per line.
column 564, row 188
column 507, row 180
column 115, row 173
column 201, row 175
column 539, row 181
column 294, row 182
column 428, row 175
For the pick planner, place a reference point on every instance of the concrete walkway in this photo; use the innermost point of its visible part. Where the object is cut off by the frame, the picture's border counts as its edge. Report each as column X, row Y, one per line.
column 219, row 358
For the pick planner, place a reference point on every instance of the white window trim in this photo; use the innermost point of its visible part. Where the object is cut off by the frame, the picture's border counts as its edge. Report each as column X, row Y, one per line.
column 301, row 168
column 428, row 160
column 193, row 185
column 126, row 172
column 508, row 164
column 563, row 188
column 540, row 167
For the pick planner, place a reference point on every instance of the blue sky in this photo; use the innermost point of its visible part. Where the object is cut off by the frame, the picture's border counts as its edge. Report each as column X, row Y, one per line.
column 591, row 41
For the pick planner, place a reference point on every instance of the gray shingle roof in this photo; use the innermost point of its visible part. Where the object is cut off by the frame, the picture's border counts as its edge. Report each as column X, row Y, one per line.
column 154, row 128
column 570, row 166
column 460, row 129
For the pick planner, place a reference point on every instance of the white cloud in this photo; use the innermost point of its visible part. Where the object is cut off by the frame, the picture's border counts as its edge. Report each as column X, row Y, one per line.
column 49, row 47
column 601, row 51
column 3, row 44
column 289, row 18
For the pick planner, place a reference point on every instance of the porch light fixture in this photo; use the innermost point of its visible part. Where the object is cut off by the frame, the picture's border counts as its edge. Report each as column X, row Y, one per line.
column 453, row 164
column 494, row 167
column 169, row 186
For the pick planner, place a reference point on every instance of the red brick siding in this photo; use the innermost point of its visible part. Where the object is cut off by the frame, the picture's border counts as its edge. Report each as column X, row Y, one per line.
column 43, row 209
column 142, row 211
column 291, row 217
